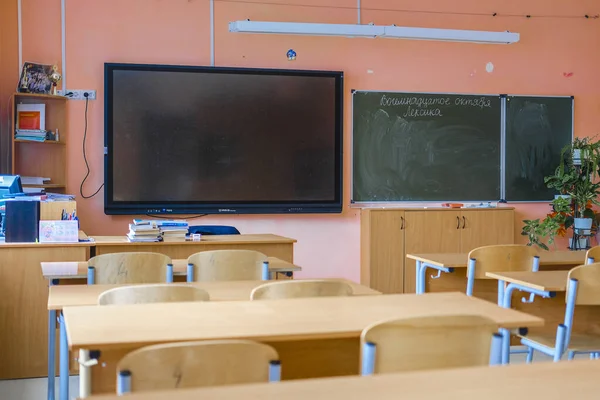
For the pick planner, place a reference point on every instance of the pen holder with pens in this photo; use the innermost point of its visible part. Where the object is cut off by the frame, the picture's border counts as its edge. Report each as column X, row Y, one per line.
column 66, row 216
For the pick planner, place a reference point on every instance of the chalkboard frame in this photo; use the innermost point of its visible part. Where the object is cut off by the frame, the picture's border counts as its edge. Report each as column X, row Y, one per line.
column 503, row 133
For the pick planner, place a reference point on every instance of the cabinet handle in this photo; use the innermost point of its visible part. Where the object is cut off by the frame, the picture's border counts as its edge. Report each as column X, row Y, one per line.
column 402, row 226
column 464, row 222
column 457, row 222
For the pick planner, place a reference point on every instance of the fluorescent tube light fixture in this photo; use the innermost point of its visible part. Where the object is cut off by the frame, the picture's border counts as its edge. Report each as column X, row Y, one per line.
column 450, row 35
column 372, row 31
column 301, row 28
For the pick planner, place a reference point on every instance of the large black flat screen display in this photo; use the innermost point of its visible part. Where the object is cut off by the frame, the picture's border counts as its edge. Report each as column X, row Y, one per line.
column 183, row 139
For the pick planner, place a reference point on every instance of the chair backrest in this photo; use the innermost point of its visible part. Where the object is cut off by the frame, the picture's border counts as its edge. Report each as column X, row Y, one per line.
column 135, row 267
column 304, row 288
column 159, row 293
column 588, row 284
column 196, row 364
column 430, row 342
column 503, row 258
column 594, row 253
column 227, row 265
column 214, row 230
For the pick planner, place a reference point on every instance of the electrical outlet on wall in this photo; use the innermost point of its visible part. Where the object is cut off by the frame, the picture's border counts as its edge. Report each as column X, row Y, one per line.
column 80, row 94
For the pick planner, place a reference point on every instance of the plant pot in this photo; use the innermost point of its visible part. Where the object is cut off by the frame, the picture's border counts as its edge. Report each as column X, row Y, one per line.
column 582, row 226
column 576, row 156
column 582, row 244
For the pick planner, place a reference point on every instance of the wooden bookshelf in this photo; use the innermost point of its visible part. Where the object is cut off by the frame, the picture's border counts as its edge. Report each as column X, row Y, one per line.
column 43, row 159
column 33, row 141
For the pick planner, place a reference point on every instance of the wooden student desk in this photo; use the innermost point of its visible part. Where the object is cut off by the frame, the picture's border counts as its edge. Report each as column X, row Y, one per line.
column 24, row 291
column 450, row 262
column 62, row 296
column 315, row 337
column 548, row 381
column 271, row 245
column 552, row 310
column 279, row 269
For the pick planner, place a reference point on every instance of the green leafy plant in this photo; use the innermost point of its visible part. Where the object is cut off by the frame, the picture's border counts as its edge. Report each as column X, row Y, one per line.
column 562, row 181
column 585, row 193
column 550, row 226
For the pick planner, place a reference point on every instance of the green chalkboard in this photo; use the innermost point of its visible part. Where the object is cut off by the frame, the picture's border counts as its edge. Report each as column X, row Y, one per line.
column 425, row 147
column 537, row 128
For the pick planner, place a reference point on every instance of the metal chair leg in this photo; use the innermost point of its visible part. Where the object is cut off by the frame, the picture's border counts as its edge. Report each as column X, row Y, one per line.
column 274, row 371
column 368, row 359
column 496, row 349
column 265, row 271
column 190, row 273
column 529, row 358
column 561, row 334
column 123, row 382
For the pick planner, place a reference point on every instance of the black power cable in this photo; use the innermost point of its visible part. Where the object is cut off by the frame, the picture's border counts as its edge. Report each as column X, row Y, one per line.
column 87, row 166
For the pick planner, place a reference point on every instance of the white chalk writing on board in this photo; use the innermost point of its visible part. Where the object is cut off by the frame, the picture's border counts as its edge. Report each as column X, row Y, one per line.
column 429, row 106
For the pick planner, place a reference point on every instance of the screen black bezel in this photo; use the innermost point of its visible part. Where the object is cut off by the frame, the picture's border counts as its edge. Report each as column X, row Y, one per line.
column 112, row 207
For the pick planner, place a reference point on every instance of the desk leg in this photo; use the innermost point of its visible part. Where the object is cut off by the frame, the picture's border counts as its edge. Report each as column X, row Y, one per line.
column 51, row 352
column 420, row 271
column 85, row 374
column 64, row 361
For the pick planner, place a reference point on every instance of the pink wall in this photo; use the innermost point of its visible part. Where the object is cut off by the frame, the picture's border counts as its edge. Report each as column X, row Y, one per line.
column 9, row 60
column 177, row 32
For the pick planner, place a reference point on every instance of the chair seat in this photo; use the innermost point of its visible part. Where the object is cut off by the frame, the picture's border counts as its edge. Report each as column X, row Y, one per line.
column 578, row 341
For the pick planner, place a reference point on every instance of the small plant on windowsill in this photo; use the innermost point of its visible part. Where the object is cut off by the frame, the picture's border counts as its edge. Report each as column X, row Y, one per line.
column 537, row 231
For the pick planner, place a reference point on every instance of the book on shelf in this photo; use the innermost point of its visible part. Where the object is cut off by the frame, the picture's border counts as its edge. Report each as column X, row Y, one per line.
column 34, row 180
column 31, row 117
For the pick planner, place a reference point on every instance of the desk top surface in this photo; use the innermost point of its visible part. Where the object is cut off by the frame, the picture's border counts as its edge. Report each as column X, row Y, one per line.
column 87, row 295
column 78, row 269
column 459, row 260
column 549, row 281
column 267, row 320
column 122, row 241
column 206, row 240
column 548, row 381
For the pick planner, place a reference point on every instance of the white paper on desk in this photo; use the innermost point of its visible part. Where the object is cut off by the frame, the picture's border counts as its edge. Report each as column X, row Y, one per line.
column 59, row 231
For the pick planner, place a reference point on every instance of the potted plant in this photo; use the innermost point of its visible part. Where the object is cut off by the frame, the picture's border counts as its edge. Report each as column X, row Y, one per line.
column 550, row 226
column 584, row 194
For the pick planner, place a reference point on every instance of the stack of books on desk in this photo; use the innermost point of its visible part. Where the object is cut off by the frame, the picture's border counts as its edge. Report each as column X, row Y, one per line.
column 173, row 229
column 143, row 233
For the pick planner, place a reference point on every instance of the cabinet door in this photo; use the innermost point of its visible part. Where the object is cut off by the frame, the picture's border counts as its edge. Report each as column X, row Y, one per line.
column 429, row 232
column 486, row 227
column 386, row 251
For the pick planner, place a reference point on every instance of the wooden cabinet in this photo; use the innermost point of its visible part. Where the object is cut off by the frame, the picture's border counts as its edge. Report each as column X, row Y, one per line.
column 429, row 232
column 42, row 159
column 382, row 243
column 486, row 227
column 387, row 235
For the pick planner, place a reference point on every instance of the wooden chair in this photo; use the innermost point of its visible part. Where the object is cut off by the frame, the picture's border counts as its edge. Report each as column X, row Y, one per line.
column 227, row 265
column 159, row 293
column 429, row 343
column 583, row 288
column 134, row 267
column 592, row 255
column 500, row 258
column 196, row 364
column 305, row 288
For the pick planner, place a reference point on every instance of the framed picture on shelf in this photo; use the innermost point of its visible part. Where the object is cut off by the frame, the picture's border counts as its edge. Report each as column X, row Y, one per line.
column 35, row 78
